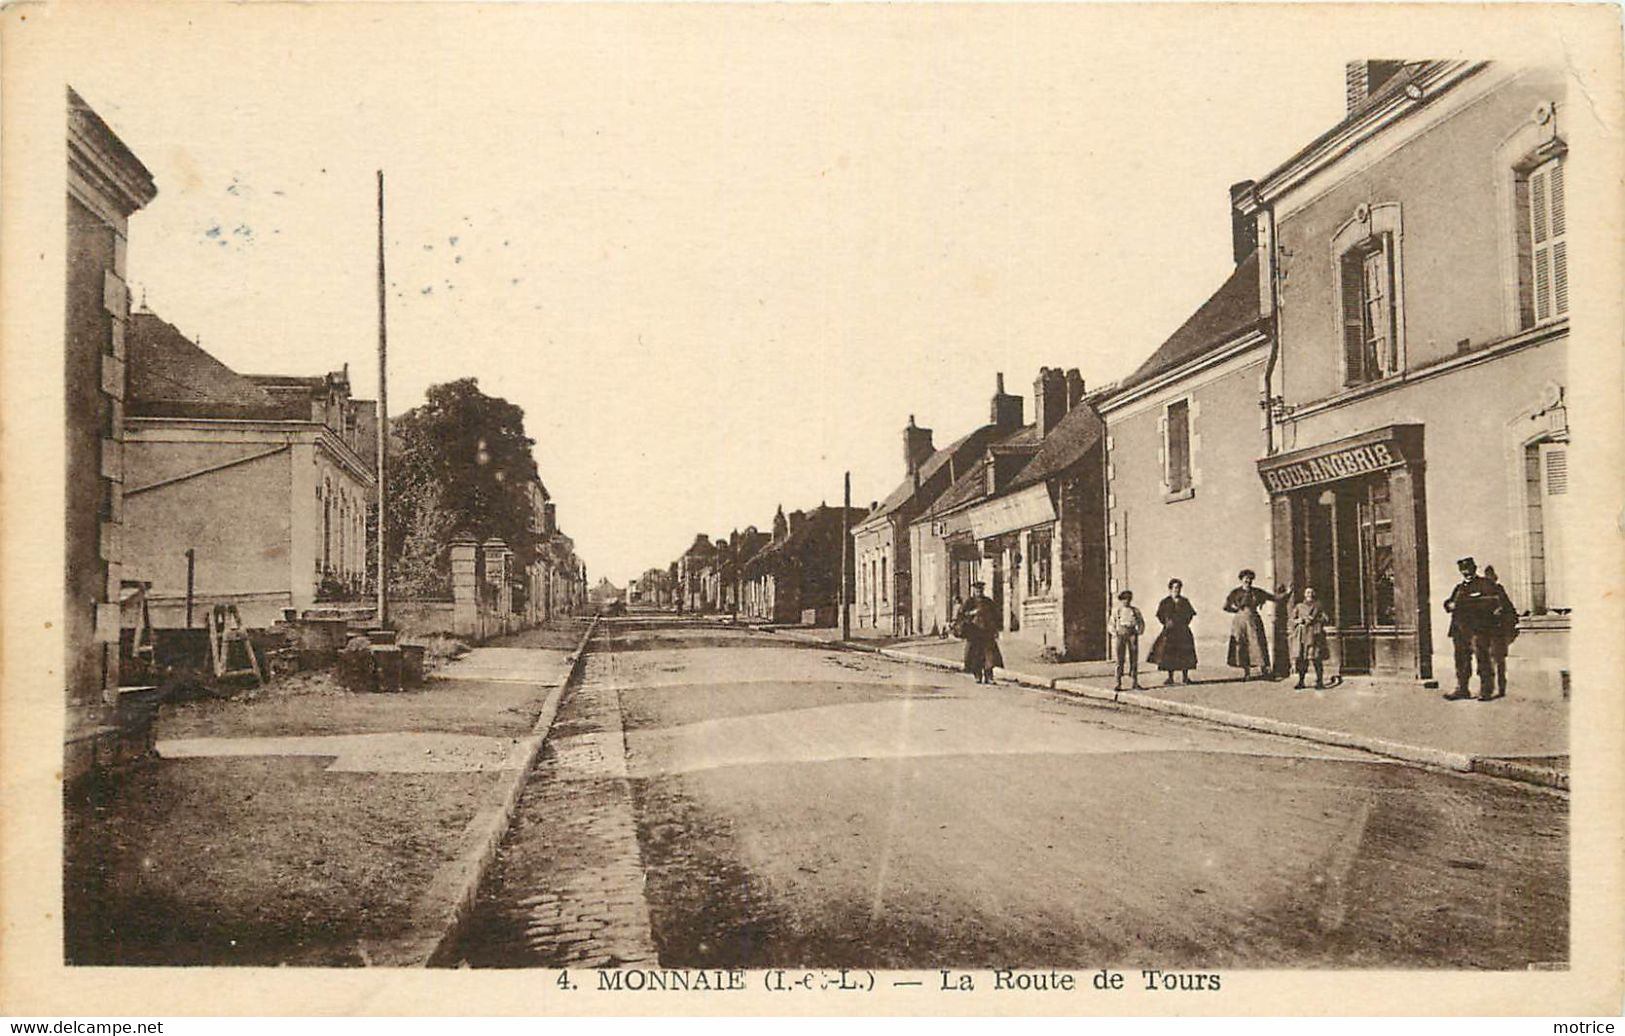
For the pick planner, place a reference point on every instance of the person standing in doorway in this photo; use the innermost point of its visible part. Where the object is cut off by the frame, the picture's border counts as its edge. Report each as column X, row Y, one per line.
column 978, row 623
column 1174, row 650
column 1249, row 648
column 1478, row 610
column 1307, row 638
column 1127, row 624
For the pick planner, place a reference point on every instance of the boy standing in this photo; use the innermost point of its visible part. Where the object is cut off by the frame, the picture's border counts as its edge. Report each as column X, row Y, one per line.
column 1126, row 626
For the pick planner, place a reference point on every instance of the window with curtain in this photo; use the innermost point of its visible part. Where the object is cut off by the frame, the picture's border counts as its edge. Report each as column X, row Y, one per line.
column 1039, row 542
column 1367, row 288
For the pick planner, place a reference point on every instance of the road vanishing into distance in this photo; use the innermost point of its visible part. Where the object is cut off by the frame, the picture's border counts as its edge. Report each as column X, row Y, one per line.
column 717, row 797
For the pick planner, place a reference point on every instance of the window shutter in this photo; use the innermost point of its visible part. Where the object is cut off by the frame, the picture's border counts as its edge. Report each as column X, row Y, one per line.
column 1353, row 319
column 1554, row 457
column 1179, row 453
column 1549, row 259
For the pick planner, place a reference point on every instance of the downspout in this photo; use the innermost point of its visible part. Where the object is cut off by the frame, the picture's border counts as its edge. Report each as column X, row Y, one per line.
column 1270, row 298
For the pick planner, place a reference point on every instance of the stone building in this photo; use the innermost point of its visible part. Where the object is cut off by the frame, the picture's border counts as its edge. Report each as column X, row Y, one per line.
column 945, row 556
column 106, row 185
column 1415, row 267
column 1027, row 520
column 796, row 578
column 884, row 598
column 262, row 478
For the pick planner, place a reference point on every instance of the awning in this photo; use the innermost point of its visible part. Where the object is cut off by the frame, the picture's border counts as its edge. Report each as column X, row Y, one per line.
column 1029, row 507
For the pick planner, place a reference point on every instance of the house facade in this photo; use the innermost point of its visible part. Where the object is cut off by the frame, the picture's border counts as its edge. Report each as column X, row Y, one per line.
column 796, row 578
column 1028, row 521
column 106, row 185
column 883, row 564
column 1415, row 266
column 1183, row 433
column 257, row 487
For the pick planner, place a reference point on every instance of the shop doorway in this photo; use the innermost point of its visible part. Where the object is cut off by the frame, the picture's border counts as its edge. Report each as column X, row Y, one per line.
column 1346, row 553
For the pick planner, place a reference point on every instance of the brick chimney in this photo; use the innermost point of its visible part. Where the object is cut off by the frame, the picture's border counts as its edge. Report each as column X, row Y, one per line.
column 798, row 519
column 550, row 518
column 917, row 448
column 1049, row 399
column 1074, row 389
column 1361, row 79
column 1008, row 413
column 1243, row 227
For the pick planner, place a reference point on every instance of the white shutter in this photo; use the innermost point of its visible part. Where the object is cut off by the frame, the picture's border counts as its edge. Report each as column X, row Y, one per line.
column 1548, row 228
column 1554, row 507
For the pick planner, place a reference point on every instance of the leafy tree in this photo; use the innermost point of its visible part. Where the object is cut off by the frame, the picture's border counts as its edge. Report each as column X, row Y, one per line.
column 461, row 462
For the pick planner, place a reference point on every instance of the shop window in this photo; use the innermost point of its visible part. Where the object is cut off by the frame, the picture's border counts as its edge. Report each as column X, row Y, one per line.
column 1038, row 562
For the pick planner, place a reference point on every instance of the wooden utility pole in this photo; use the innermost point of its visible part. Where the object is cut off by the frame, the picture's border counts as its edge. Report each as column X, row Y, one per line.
column 846, row 556
column 383, row 424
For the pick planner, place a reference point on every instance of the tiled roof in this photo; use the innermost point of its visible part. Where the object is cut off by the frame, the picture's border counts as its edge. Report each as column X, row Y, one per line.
column 169, row 375
column 1066, row 444
column 1227, row 312
column 959, row 452
column 972, row 485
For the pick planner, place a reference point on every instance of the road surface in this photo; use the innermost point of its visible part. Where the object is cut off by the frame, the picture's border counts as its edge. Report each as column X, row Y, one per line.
column 713, row 797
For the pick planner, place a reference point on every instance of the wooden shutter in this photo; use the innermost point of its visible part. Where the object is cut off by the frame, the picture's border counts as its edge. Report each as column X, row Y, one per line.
column 1353, row 301
column 1548, row 227
column 1179, row 446
column 1554, row 490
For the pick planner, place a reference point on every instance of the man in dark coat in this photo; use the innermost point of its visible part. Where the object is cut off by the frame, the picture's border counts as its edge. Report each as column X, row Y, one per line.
column 1478, row 609
column 978, row 623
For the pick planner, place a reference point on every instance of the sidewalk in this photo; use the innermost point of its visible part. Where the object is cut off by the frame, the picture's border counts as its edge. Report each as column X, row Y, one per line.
column 1512, row 737
column 303, row 824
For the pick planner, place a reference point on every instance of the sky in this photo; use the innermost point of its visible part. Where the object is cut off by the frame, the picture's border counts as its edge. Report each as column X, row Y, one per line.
column 718, row 255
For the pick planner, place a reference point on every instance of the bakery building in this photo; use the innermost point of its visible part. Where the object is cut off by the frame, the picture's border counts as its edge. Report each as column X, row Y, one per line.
column 1416, row 274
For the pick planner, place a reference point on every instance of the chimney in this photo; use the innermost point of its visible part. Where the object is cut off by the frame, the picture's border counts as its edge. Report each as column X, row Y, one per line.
column 1074, row 389
column 1008, row 412
column 1049, row 399
column 550, row 518
column 1243, row 226
column 1361, row 79
column 917, row 448
column 797, row 520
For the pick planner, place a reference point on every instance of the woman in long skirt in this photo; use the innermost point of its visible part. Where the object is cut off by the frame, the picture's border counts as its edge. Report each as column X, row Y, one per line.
column 978, row 623
column 1175, row 649
column 1249, row 647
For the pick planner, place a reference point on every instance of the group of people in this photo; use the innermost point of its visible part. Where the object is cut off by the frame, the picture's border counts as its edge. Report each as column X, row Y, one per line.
column 1174, row 650
column 1483, row 622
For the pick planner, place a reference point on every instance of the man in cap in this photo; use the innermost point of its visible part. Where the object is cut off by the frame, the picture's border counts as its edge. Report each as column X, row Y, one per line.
column 1478, row 608
column 978, row 623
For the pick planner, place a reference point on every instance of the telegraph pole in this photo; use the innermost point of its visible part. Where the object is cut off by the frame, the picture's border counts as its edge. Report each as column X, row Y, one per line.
column 846, row 557
column 382, row 422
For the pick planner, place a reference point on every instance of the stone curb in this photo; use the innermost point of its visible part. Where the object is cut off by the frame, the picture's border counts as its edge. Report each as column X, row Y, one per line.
column 1460, row 762
column 439, row 915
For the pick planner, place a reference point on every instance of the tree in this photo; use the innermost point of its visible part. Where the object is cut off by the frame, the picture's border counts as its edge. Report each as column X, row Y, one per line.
column 461, row 462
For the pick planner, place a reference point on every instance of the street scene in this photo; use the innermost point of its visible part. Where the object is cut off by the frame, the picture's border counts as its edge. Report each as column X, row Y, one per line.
column 511, row 564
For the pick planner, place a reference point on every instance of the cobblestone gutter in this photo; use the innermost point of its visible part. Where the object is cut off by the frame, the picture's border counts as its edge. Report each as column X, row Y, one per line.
column 440, row 913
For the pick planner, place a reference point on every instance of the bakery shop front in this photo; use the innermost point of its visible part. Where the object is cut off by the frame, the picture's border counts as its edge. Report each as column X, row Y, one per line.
column 1349, row 518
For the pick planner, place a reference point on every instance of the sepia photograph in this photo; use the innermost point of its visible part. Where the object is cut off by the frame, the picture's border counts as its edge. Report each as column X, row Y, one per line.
column 813, row 509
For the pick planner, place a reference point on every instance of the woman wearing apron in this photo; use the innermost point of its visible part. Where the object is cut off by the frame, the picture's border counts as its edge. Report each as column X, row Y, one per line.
column 1249, row 647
